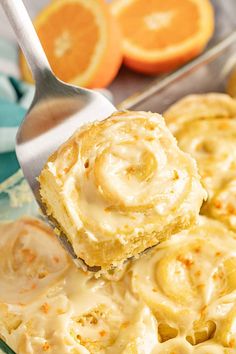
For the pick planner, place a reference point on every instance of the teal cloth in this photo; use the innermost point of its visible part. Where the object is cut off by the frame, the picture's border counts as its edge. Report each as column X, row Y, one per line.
column 15, row 98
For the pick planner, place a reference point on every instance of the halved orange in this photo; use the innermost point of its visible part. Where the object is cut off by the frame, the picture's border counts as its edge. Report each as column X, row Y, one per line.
column 82, row 42
column 160, row 35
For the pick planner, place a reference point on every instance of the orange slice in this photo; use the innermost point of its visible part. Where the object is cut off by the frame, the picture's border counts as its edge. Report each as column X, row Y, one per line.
column 82, row 42
column 160, row 35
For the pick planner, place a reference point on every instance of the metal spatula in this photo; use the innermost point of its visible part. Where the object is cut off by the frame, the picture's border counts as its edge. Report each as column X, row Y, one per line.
column 57, row 110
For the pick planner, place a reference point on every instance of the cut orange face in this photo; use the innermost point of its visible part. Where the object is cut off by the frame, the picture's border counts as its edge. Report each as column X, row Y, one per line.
column 82, row 42
column 160, row 35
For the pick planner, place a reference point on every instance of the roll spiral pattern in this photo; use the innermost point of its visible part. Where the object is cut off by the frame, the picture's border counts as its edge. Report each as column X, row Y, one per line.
column 205, row 126
column 178, row 298
column 31, row 260
column 189, row 282
column 119, row 186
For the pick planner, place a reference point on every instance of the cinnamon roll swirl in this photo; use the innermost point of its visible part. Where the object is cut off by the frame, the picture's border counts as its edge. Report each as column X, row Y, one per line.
column 179, row 298
column 189, row 282
column 49, row 305
column 205, row 127
column 31, row 260
column 119, row 186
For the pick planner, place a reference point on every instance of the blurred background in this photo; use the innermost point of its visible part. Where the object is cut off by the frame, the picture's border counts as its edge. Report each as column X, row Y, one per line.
column 138, row 44
column 128, row 81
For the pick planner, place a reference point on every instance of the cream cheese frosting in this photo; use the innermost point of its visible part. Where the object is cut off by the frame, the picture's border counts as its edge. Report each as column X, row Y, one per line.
column 65, row 310
column 27, row 267
column 119, row 186
column 189, row 282
column 205, row 126
column 178, row 298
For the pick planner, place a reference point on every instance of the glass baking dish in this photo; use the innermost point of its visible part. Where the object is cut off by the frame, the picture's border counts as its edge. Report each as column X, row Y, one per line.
column 128, row 82
column 4, row 349
column 16, row 198
column 204, row 75
column 207, row 73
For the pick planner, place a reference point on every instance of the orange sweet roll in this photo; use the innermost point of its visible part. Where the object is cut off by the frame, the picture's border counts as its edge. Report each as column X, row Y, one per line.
column 204, row 126
column 120, row 186
column 189, row 282
column 31, row 260
column 49, row 305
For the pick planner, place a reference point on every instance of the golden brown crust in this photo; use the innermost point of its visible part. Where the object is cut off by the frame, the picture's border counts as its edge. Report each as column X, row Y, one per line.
column 119, row 186
column 205, row 126
column 202, row 106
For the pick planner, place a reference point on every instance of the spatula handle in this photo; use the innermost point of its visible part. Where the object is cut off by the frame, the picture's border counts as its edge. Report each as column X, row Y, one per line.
column 27, row 37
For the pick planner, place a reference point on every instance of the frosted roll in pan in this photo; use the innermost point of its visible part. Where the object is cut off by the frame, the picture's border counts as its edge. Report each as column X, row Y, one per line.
column 205, row 126
column 120, row 186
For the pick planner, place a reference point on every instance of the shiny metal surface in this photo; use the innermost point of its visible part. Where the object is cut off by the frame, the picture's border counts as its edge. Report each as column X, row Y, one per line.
column 58, row 109
column 141, row 100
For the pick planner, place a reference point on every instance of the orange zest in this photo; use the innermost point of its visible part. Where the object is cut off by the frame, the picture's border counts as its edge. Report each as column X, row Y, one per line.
column 160, row 35
column 82, row 42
